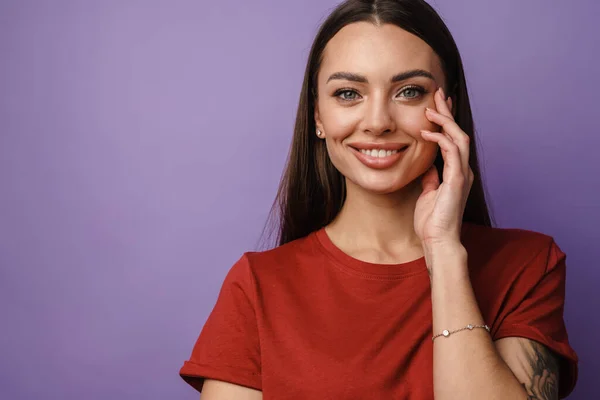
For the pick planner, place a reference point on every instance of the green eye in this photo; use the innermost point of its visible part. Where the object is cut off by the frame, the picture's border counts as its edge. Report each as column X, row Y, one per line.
column 412, row 92
column 341, row 94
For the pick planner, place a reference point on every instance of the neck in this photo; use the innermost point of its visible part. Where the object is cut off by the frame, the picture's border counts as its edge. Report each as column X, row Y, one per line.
column 377, row 221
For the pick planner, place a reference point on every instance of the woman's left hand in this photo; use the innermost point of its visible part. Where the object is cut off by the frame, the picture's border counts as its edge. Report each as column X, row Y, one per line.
column 440, row 207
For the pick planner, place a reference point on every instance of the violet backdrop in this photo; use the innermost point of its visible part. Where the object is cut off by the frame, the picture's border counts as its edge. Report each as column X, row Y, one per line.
column 141, row 144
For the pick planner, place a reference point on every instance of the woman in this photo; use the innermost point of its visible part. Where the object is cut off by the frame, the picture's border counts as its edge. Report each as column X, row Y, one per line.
column 390, row 281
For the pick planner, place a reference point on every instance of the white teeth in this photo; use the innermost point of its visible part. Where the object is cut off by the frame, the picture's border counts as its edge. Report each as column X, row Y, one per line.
column 378, row 153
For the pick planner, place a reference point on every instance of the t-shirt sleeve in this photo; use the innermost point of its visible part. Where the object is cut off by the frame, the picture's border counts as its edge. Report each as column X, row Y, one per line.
column 227, row 348
column 535, row 307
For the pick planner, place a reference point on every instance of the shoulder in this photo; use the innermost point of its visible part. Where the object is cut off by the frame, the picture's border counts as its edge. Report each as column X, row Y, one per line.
column 510, row 247
column 511, row 260
column 516, row 238
column 281, row 262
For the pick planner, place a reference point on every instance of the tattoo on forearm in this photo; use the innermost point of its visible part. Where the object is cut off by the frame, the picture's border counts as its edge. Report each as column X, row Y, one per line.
column 543, row 380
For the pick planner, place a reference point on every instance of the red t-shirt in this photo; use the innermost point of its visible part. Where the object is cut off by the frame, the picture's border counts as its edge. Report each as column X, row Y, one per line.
column 307, row 321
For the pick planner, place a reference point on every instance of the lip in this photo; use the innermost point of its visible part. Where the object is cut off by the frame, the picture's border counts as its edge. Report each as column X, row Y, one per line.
column 382, row 146
column 379, row 162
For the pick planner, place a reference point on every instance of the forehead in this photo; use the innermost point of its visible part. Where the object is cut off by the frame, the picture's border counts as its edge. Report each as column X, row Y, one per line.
column 378, row 52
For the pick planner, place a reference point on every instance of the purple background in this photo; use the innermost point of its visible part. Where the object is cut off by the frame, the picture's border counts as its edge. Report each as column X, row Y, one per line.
column 141, row 143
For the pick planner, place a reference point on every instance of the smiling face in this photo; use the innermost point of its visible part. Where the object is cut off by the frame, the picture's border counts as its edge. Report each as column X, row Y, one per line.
column 373, row 87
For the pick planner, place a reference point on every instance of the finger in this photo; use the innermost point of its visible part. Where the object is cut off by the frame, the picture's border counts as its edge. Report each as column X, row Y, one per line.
column 443, row 108
column 456, row 134
column 441, row 103
column 453, row 170
column 440, row 109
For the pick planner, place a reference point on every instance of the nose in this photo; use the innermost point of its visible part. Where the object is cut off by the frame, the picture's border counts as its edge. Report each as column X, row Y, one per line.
column 378, row 118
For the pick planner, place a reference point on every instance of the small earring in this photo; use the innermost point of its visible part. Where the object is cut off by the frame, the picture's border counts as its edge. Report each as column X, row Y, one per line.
column 319, row 133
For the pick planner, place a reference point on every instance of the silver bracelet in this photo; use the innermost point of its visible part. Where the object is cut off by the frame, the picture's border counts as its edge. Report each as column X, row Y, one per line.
column 446, row 333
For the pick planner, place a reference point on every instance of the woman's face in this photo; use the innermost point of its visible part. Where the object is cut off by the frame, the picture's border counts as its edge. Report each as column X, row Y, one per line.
column 369, row 114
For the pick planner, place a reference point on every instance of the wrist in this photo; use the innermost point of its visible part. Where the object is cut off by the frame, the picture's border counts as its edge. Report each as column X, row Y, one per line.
column 447, row 261
column 444, row 252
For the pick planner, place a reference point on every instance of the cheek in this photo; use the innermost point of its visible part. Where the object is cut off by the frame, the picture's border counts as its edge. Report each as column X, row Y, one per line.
column 412, row 120
column 339, row 123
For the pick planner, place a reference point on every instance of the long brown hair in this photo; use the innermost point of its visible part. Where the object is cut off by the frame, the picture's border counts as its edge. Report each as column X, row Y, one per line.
column 312, row 191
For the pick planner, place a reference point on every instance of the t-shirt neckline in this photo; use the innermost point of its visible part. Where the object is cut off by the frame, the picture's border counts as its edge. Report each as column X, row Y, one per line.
column 366, row 269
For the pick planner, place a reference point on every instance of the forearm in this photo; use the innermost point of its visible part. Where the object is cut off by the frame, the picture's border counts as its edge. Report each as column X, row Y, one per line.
column 466, row 364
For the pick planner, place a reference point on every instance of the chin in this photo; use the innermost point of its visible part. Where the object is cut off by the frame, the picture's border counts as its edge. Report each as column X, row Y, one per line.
column 381, row 185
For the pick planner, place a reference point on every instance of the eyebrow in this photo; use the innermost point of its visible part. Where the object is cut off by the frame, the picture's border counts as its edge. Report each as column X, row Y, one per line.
column 349, row 76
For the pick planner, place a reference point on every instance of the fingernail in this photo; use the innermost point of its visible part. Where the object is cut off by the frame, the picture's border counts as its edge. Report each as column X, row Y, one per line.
column 428, row 109
column 442, row 93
